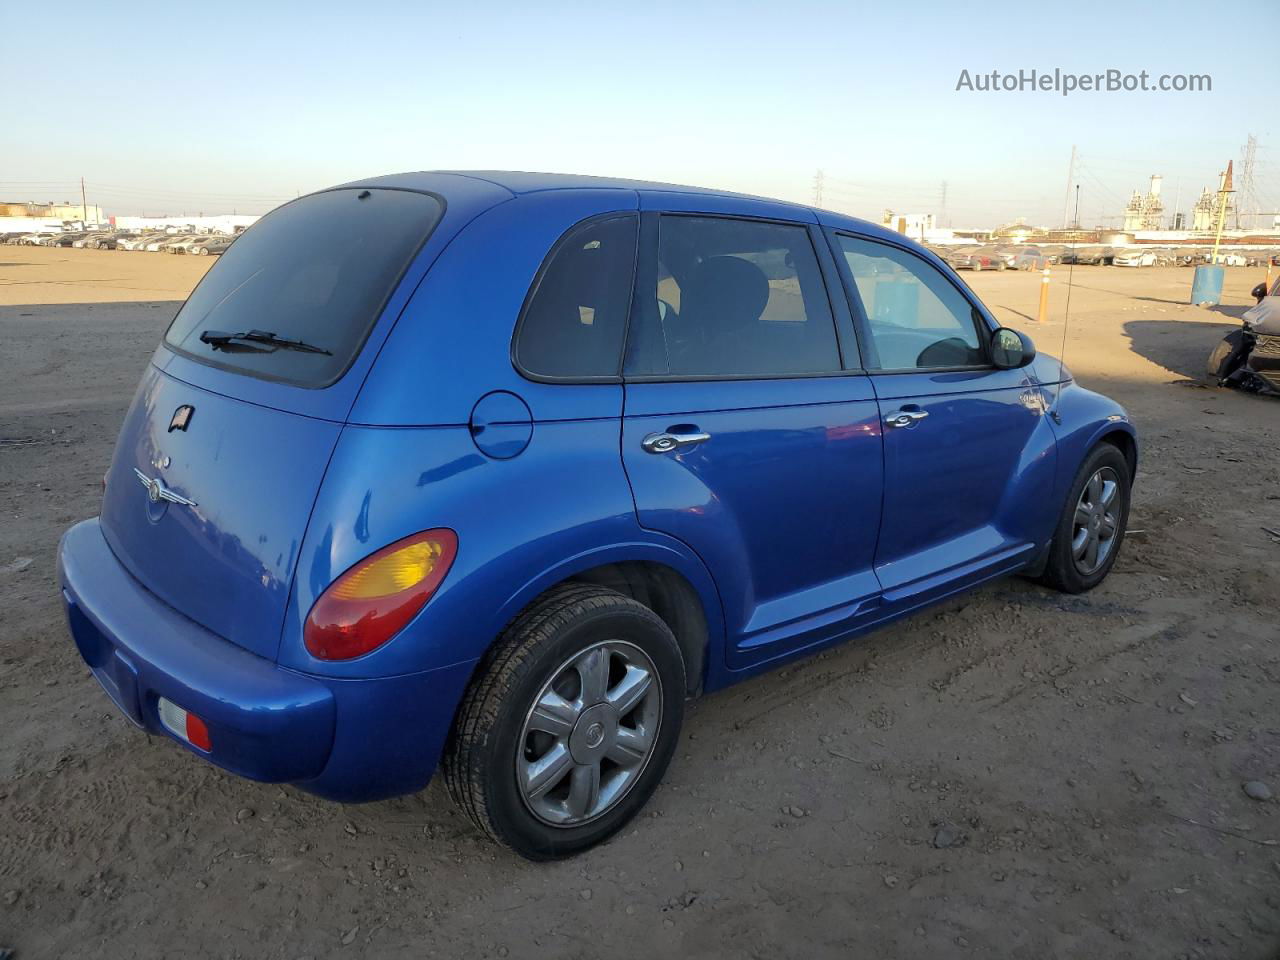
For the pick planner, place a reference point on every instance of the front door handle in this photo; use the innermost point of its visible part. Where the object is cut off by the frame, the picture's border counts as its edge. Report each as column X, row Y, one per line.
column 666, row 442
column 905, row 417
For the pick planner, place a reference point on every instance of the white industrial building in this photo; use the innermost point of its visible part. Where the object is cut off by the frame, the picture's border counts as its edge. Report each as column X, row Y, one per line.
column 1145, row 212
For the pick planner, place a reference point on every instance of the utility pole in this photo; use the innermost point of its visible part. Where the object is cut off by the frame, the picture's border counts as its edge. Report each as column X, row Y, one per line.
column 84, row 206
column 1177, row 203
column 942, row 204
column 1071, row 176
column 817, row 188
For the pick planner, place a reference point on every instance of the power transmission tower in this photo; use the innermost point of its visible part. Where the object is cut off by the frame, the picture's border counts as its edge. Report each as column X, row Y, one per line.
column 1071, row 177
column 817, row 188
column 1248, row 198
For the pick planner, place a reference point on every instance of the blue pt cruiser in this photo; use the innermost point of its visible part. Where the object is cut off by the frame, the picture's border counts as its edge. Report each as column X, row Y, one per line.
column 493, row 471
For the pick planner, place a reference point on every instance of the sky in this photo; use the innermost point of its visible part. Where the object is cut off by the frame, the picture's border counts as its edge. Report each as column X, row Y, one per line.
column 168, row 108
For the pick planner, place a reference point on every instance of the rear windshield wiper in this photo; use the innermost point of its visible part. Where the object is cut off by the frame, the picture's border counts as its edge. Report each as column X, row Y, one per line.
column 219, row 338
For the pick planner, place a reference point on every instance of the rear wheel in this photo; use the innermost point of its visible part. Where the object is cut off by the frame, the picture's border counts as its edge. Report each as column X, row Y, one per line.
column 1091, row 528
column 571, row 724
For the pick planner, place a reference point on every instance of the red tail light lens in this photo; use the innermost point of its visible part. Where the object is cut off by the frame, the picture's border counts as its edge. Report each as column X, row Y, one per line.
column 372, row 601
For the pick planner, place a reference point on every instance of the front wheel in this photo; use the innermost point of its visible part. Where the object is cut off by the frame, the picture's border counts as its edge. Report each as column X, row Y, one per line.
column 571, row 723
column 1091, row 528
column 1226, row 356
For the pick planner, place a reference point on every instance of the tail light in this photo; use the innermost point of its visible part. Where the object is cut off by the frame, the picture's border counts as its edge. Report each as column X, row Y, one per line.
column 373, row 600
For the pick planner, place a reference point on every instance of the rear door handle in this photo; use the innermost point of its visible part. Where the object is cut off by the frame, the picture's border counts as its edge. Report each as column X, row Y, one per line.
column 906, row 417
column 666, row 442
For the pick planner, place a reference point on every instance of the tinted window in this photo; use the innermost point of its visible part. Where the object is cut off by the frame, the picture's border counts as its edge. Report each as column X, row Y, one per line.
column 915, row 317
column 733, row 298
column 574, row 323
column 317, row 270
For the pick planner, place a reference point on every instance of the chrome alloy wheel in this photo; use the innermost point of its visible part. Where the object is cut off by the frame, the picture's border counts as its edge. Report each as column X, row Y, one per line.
column 590, row 733
column 1093, row 528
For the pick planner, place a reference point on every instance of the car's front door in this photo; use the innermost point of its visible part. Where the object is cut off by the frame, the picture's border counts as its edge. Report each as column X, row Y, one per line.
column 744, row 435
column 968, row 448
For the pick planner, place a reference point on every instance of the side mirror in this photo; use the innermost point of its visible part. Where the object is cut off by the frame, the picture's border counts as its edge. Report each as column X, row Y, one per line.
column 1011, row 349
column 1259, row 292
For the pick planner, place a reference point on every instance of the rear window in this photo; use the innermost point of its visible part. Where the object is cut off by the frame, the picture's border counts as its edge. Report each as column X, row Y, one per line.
column 317, row 270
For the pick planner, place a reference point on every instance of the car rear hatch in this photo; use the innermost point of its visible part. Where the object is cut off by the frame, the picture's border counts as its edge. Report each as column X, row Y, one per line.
column 224, row 449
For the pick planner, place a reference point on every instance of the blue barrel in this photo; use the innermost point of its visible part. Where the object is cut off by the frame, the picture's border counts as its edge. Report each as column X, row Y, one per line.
column 1206, row 286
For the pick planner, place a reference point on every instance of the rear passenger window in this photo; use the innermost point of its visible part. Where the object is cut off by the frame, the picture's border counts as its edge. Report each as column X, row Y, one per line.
column 915, row 317
column 733, row 298
column 574, row 323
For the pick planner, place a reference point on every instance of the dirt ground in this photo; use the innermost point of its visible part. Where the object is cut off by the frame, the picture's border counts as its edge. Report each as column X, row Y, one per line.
column 1084, row 755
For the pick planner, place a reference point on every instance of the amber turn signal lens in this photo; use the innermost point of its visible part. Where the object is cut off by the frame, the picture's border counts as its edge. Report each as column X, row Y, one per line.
column 373, row 600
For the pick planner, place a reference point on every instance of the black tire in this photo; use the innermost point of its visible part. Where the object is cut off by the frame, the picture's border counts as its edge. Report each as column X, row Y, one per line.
column 1062, row 571
column 1226, row 356
column 480, row 759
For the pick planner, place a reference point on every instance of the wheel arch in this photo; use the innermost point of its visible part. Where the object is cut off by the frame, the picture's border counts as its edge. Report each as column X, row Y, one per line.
column 675, row 586
column 1126, row 442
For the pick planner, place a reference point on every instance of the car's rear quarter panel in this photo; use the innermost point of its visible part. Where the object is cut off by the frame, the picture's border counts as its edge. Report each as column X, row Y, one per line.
column 407, row 460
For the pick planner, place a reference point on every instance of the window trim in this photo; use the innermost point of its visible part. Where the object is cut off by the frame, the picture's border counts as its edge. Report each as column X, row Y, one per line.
column 633, row 215
column 866, row 340
column 650, row 239
column 376, row 316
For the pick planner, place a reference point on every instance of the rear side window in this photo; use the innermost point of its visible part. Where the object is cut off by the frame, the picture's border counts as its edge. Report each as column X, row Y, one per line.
column 317, row 270
column 575, row 319
column 733, row 298
column 915, row 317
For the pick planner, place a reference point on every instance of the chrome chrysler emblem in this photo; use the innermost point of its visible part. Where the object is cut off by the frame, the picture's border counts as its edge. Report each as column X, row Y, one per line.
column 157, row 491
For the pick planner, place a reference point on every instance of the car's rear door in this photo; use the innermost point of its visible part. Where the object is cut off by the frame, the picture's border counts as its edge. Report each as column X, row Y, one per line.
column 968, row 448
column 744, row 434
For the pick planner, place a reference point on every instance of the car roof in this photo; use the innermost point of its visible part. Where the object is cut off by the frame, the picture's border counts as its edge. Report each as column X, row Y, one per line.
column 518, row 183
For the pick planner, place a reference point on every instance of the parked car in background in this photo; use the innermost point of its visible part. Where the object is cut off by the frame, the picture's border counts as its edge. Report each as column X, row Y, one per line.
column 546, row 575
column 63, row 239
column 1088, row 254
column 185, row 244
column 139, row 241
column 1232, row 259
column 976, row 258
column 107, row 241
column 1028, row 258
column 211, row 245
column 1134, row 258
column 1004, row 253
column 161, row 242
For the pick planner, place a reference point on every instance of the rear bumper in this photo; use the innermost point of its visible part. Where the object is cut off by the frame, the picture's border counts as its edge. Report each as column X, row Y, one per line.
column 349, row 740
